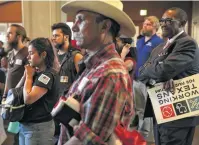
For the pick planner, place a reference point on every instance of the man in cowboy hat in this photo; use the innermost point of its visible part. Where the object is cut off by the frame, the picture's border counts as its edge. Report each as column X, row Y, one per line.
column 103, row 88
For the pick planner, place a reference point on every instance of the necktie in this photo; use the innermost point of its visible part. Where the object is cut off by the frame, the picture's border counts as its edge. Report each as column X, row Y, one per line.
column 167, row 44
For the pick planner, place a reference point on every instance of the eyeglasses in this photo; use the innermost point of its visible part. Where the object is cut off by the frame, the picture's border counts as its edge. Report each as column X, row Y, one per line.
column 167, row 21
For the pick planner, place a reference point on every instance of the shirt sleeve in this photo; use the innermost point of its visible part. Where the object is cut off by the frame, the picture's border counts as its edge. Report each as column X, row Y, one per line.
column 176, row 62
column 44, row 80
column 108, row 103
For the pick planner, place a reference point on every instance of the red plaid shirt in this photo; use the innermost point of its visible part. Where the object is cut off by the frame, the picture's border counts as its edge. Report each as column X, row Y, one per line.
column 105, row 99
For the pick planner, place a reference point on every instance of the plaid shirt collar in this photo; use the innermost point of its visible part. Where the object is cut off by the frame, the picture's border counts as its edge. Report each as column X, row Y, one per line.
column 104, row 91
column 96, row 58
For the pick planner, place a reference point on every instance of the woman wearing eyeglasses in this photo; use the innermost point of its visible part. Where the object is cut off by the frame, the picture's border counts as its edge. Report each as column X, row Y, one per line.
column 40, row 94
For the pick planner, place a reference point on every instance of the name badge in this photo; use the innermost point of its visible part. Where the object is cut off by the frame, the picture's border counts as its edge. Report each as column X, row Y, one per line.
column 44, row 79
column 64, row 79
column 82, row 84
column 18, row 62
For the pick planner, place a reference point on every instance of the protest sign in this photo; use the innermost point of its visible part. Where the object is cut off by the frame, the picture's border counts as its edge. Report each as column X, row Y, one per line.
column 169, row 106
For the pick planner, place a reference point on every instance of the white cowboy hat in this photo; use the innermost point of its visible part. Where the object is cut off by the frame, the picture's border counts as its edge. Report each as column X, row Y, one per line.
column 109, row 8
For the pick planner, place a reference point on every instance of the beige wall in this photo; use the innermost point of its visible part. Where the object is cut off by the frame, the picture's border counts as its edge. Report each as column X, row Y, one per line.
column 38, row 16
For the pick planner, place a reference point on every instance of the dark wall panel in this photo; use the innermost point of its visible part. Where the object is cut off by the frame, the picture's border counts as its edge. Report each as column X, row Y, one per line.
column 156, row 8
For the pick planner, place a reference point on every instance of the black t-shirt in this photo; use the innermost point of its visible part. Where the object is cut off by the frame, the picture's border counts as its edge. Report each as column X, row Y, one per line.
column 40, row 110
column 68, row 71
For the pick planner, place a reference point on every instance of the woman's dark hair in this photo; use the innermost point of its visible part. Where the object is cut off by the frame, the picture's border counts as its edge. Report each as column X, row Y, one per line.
column 126, row 40
column 44, row 44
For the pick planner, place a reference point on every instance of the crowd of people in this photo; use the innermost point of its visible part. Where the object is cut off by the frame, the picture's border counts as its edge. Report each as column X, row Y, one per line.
column 109, row 78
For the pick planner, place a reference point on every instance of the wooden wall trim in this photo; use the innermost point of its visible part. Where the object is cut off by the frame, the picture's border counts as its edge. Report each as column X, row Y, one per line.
column 11, row 12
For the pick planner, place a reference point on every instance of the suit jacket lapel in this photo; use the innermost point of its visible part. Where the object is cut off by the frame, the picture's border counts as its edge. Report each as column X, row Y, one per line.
column 170, row 45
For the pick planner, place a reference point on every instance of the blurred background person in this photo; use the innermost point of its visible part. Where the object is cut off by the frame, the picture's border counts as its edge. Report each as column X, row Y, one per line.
column 4, row 64
column 2, row 49
column 145, row 45
column 3, row 73
column 126, row 52
column 2, row 82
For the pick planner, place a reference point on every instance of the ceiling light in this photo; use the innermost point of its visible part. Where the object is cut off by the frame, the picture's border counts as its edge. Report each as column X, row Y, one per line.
column 143, row 12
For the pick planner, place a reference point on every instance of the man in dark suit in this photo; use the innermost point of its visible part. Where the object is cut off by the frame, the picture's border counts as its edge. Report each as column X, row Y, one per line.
column 175, row 59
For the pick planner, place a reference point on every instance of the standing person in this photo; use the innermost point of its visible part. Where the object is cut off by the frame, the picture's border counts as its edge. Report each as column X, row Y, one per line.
column 148, row 42
column 17, row 59
column 37, row 126
column 144, row 46
column 2, row 82
column 3, row 73
column 126, row 52
column 4, row 64
column 175, row 59
column 69, row 58
column 104, row 86
column 2, row 49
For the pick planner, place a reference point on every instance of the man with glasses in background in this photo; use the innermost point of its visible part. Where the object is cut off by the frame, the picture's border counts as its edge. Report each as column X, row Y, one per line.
column 2, row 50
column 175, row 59
column 144, row 47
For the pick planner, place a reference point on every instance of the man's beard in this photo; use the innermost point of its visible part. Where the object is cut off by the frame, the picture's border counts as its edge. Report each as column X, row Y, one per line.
column 13, row 45
column 60, row 46
column 147, row 33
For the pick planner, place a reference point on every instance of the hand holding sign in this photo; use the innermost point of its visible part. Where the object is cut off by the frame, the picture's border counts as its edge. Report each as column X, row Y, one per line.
column 169, row 86
column 175, row 100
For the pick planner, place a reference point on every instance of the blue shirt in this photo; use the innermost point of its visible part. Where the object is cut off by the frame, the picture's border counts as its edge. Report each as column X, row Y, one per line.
column 144, row 50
